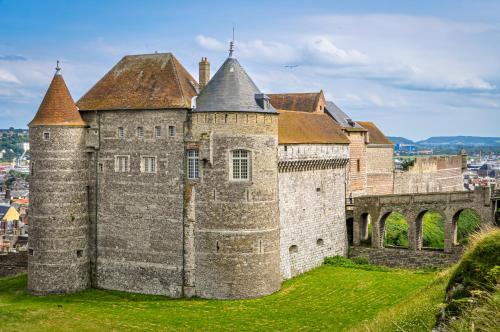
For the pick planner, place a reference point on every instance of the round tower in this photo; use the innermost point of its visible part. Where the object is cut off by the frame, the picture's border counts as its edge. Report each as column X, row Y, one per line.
column 58, row 260
column 235, row 130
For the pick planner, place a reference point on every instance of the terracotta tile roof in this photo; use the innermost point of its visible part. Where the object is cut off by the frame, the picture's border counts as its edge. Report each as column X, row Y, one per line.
column 148, row 81
column 57, row 107
column 375, row 135
column 308, row 128
column 300, row 102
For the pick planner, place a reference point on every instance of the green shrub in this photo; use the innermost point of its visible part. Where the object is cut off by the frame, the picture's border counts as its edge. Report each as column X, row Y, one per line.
column 433, row 230
column 396, row 230
column 360, row 260
column 468, row 223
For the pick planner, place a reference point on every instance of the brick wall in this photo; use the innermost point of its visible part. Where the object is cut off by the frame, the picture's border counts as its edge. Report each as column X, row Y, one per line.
column 312, row 209
column 356, row 182
column 379, row 169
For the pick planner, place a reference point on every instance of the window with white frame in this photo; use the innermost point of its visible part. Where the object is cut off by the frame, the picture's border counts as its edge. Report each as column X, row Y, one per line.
column 121, row 132
column 148, row 164
column 122, row 163
column 46, row 136
column 193, row 164
column 157, row 131
column 140, row 132
column 240, row 164
column 171, row 131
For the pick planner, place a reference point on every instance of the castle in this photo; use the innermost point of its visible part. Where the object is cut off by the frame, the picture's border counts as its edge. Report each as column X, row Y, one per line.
column 156, row 184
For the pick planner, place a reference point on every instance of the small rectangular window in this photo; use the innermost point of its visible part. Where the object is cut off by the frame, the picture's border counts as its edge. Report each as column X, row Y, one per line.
column 46, row 136
column 32, row 167
column 358, row 165
column 122, row 163
column 101, row 167
column 79, row 253
column 148, row 164
column 171, row 131
column 241, row 165
column 121, row 132
column 193, row 163
column 157, row 131
column 140, row 132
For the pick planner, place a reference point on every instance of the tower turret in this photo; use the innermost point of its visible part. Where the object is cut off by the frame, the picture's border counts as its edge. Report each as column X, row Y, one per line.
column 235, row 131
column 58, row 245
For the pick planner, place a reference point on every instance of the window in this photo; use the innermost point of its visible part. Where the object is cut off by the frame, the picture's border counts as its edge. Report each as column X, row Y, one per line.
column 46, row 136
column 320, row 242
column 171, row 131
column 157, row 131
column 148, row 165
column 293, row 249
column 101, row 167
column 358, row 165
column 193, row 164
column 121, row 132
column 79, row 253
column 140, row 132
column 241, row 164
column 32, row 167
column 122, row 164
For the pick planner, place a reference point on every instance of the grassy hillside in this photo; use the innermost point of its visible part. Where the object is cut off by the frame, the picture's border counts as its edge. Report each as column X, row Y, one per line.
column 327, row 298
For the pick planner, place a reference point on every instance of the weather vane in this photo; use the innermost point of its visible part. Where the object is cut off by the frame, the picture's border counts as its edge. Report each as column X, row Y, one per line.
column 231, row 45
column 57, row 67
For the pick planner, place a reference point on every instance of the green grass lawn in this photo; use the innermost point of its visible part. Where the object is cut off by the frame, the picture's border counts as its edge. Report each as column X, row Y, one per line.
column 327, row 298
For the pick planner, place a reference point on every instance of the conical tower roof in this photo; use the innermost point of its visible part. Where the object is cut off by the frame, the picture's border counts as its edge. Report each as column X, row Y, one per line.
column 231, row 90
column 58, row 107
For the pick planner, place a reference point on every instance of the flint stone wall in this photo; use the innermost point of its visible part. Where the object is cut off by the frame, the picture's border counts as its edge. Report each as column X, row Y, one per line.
column 312, row 209
column 13, row 263
column 397, row 257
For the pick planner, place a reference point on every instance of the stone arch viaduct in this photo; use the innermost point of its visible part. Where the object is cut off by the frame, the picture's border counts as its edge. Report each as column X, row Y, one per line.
column 413, row 207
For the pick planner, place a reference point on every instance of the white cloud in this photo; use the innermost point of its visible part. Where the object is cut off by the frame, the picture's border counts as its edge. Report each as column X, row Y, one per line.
column 323, row 49
column 7, row 77
column 210, row 43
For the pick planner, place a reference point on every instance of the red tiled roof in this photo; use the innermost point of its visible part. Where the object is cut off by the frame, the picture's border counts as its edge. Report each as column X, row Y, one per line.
column 148, row 81
column 375, row 135
column 57, row 107
column 308, row 128
column 300, row 102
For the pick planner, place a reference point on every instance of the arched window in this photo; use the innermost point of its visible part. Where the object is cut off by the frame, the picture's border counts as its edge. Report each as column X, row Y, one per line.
column 293, row 249
column 240, row 165
column 320, row 242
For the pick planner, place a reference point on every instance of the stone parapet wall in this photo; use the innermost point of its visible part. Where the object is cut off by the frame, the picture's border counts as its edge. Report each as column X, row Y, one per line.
column 398, row 257
column 13, row 263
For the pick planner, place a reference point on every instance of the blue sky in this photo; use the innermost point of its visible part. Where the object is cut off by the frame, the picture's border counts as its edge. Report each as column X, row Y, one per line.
column 415, row 68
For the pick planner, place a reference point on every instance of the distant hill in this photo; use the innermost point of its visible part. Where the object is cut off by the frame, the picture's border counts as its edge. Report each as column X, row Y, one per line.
column 400, row 140
column 461, row 141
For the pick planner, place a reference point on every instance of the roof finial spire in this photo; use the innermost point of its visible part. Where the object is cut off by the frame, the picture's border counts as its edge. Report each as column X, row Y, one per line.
column 58, row 69
column 231, row 45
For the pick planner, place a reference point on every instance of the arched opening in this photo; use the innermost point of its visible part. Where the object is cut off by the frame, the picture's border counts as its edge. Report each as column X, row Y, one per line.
column 430, row 230
column 293, row 249
column 350, row 230
column 464, row 223
column 394, row 227
column 365, row 232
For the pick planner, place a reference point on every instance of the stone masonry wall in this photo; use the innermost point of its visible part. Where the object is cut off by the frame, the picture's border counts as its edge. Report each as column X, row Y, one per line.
column 13, row 263
column 236, row 223
column 138, row 226
column 356, row 181
column 396, row 257
column 312, row 209
column 379, row 169
column 430, row 174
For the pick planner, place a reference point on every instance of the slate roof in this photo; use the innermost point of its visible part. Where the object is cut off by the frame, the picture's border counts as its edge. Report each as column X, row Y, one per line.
column 3, row 210
column 230, row 90
column 342, row 119
column 375, row 135
column 308, row 128
column 146, row 81
column 300, row 102
column 57, row 107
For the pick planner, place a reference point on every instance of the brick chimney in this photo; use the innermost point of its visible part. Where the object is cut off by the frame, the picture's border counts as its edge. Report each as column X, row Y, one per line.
column 204, row 72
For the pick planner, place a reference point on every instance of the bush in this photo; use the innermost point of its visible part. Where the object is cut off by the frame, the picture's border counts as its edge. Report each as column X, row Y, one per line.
column 361, row 260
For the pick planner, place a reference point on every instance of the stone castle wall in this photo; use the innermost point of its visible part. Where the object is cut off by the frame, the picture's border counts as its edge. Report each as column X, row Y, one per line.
column 379, row 169
column 236, row 223
column 430, row 174
column 356, row 180
column 312, row 208
column 58, row 236
column 137, row 217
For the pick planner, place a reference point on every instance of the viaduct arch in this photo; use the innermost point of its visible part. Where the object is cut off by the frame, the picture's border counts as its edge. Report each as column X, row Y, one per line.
column 413, row 207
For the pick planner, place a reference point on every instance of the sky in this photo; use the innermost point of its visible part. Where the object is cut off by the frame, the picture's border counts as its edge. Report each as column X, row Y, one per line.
column 415, row 68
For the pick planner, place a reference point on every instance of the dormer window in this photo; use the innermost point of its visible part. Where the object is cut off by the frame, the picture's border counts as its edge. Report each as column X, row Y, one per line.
column 262, row 100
